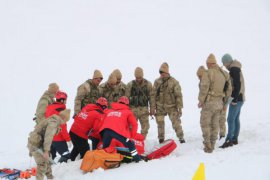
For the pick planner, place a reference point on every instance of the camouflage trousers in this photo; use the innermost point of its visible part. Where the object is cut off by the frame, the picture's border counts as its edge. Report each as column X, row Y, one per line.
column 210, row 116
column 175, row 119
column 43, row 166
column 142, row 114
column 222, row 123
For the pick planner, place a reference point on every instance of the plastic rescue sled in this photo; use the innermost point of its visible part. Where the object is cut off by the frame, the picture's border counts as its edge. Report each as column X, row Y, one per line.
column 162, row 150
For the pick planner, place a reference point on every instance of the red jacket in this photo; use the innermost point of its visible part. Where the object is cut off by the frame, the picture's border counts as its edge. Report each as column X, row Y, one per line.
column 121, row 120
column 55, row 108
column 88, row 122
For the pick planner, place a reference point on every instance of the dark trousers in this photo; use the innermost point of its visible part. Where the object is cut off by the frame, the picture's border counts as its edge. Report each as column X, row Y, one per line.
column 95, row 142
column 59, row 147
column 80, row 146
column 108, row 135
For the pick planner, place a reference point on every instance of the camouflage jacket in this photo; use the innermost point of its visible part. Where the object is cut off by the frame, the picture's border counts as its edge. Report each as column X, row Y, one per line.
column 166, row 93
column 111, row 94
column 139, row 93
column 46, row 99
column 42, row 136
column 212, row 85
column 86, row 93
column 120, row 90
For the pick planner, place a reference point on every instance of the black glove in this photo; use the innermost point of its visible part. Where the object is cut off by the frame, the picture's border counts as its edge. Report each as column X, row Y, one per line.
column 74, row 116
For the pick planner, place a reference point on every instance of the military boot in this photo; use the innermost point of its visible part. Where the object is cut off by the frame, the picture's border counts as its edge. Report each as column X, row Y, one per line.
column 161, row 141
column 182, row 141
column 207, row 147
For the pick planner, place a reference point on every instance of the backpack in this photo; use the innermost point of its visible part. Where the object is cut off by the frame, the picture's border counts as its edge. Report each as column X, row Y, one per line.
column 100, row 158
column 162, row 149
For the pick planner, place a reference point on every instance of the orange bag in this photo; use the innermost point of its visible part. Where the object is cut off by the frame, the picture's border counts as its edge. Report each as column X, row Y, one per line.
column 100, row 158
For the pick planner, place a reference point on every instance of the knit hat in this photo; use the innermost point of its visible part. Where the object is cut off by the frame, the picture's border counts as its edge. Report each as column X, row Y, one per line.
column 138, row 72
column 227, row 59
column 117, row 73
column 53, row 88
column 164, row 68
column 211, row 59
column 112, row 79
column 200, row 71
column 65, row 114
column 97, row 74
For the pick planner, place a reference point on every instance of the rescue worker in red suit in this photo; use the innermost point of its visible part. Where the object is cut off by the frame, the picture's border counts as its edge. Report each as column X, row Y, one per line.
column 120, row 124
column 87, row 124
column 61, row 141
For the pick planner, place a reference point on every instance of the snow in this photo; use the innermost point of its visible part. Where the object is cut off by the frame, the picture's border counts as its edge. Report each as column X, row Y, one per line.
column 63, row 41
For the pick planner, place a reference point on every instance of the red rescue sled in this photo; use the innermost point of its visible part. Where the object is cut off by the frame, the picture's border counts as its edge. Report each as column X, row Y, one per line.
column 162, row 149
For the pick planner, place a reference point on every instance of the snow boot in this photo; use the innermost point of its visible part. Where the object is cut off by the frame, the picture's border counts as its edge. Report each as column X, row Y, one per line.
column 64, row 158
column 235, row 141
column 226, row 144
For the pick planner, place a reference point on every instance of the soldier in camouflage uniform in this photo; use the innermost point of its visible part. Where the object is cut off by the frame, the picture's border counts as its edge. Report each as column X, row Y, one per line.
column 40, row 140
column 108, row 89
column 222, row 119
column 138, row 92
column 88, row 92
column 200, row 72
column 212, row 97
column 167, row 99
column 120, row 86
column 46, row 99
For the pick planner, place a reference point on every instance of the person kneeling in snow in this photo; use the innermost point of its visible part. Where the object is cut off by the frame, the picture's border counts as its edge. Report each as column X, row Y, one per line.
column 87, row 124
column 40, row 140
column 61, row 141
column 117, row 124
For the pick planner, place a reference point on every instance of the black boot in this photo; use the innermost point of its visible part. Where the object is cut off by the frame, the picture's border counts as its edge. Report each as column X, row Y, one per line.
column 182, row 141
column 161, row 140
column 64, row 158
column 226, row 144
column 235, row 141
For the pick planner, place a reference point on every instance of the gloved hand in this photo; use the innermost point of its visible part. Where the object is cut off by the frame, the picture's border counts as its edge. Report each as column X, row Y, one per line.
column 69, row 143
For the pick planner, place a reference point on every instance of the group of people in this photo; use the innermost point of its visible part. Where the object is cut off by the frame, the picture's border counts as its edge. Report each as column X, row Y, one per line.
column 108, row 112
column 218, row 89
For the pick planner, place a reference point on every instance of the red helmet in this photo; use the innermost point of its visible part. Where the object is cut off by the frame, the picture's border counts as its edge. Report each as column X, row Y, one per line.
column 124, row 100
column 61, row 95
column 102, row 101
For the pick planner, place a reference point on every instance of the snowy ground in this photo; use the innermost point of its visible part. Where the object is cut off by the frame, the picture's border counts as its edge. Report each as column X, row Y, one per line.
column 63, row 41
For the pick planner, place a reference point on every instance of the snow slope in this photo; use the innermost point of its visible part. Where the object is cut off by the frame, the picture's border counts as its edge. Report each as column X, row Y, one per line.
column 63, row 41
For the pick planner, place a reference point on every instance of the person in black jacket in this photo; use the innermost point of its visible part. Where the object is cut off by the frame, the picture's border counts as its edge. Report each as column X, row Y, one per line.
column 238, row 95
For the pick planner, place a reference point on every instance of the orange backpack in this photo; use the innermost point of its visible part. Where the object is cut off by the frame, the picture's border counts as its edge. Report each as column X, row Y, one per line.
column 100, row 158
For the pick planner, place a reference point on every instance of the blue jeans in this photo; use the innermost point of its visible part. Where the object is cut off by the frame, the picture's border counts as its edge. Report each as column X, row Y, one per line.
column 234, row 121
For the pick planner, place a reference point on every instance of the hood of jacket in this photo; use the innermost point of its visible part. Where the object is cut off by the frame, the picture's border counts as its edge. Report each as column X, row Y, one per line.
column 236, row 63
